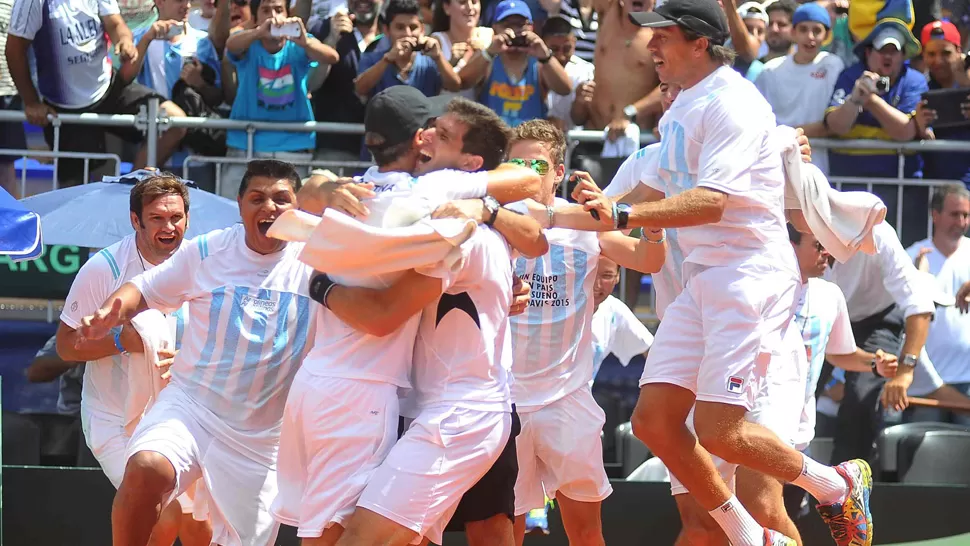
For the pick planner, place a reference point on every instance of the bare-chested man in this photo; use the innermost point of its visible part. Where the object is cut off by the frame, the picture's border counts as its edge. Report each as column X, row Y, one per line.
column 626, row 80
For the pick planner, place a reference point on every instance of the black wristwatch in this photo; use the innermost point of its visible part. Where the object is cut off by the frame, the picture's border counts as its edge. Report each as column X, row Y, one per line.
column 546, row 60
column 492, row 206
column 622, row 215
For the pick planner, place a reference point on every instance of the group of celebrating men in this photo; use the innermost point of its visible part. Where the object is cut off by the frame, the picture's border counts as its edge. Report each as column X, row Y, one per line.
column 288, row 384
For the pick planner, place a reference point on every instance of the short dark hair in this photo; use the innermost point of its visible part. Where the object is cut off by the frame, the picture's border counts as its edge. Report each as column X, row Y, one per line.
column 787, row 6
column 556, row 26
column 486, row 136
column 400, row 7
column 440, row 22
column 270, row 168
column 718, row 51
column 940, row 194
column 254, row 7
column 385, row 155
column 794, row 235
column 148, row 190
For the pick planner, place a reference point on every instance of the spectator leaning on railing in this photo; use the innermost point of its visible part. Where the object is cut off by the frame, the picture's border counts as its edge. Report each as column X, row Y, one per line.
column 516, row 71
column 272, row 73
column 75, row 75
column 947, row 69
column 408, row 58
column 798, row 86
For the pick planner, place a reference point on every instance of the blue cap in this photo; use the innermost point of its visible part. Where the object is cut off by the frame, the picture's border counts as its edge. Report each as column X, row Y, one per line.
column 508, row 8
column 812, row 12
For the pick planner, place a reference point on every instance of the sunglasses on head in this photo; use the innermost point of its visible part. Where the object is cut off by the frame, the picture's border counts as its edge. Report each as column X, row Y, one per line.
column 540, row 166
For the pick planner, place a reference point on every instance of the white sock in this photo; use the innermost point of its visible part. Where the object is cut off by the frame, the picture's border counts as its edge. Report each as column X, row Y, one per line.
column 822, row 482
column 740, row 528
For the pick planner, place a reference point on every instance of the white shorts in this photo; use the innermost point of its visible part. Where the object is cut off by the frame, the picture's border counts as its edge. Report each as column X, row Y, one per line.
column 778, row 405
column 444, row 452
column 720, row 334
column 560, row 451
column 239, row 470
column 108, row 442
column 336, row 432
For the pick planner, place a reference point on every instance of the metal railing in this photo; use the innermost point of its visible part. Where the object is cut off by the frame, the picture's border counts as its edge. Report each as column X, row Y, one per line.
column 152, row 121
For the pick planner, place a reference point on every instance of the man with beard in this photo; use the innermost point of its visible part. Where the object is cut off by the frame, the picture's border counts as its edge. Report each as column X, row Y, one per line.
column 330, row 447
column 159, row 215
column 220, row 417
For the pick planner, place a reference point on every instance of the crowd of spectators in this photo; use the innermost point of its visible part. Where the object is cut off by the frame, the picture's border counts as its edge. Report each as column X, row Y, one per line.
column 579, row 63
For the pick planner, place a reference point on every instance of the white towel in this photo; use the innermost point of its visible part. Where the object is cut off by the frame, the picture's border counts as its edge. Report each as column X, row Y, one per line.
column 625, row 145
column 144, row 377
column 841, row 221
column 357, row 254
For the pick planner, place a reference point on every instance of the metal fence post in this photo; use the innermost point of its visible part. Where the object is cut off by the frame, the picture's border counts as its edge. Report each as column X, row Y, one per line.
column 151, row 133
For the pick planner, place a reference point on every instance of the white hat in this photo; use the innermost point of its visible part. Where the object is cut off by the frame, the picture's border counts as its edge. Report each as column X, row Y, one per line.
column 887, row 36
column 753, row 10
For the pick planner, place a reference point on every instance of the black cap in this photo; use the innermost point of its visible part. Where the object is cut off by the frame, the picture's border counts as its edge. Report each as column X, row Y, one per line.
column 398, row 112
column 704, row 17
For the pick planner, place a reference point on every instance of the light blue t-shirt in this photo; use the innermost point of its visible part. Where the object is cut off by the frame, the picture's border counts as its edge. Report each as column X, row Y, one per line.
column 272, row 87
column 164, row 60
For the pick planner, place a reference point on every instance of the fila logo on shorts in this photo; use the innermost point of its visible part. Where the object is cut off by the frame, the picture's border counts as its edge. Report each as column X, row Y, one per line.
column 735, row 384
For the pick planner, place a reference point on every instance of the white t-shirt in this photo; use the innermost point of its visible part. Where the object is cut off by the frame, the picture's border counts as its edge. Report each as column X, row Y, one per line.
column 823, row 320
column 948, row 342
column 552, row 342
column 641, row 168
column 249, row 328
column 70, row 45
column 617, row 330
column 341, row 351
column 105, row 386
column 718, row 135
column 198, row 22
column 463, row 352
column 800, row 93
column 579, row 71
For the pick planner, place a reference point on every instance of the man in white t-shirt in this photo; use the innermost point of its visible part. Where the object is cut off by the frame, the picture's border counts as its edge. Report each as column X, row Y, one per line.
column 559, row 451
column 798, row 86
column 614, row 328
column 159, row 216
column 220, row 417
column 946, row 255
column 329, row 447
column 565, row 110
column 69, row 39
column 729, row 211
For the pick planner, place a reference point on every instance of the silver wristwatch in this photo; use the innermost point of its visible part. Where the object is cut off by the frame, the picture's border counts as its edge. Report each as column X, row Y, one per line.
column 630, row 112
column 491, row 205
column 909, row 361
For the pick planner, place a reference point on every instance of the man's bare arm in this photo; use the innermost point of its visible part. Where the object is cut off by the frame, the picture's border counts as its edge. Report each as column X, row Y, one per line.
column 633, row 252
column 381, row 312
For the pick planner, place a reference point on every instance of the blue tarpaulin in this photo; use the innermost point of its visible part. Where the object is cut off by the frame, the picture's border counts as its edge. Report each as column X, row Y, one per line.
column 20, row 231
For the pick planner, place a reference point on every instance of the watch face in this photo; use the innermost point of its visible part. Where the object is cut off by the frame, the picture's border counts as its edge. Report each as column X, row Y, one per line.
column 623, row 207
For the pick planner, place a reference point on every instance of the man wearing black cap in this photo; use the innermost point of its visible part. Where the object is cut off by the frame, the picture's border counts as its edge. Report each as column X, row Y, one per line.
column 330, row 447
column 741, row 284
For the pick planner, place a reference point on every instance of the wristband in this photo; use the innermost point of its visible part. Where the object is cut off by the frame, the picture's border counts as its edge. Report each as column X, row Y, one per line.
column 320, row 287
column 663, row 236
column 551, row 213
column 616, row 220
column 546, row 60
column 118, row 345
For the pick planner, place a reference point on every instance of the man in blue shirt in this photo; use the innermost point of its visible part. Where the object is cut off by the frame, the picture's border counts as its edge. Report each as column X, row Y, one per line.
column 405, row 57
column 516, row 71
column 861, row 109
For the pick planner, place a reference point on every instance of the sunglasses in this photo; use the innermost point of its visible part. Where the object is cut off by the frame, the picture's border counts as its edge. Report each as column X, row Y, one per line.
column 540, row 166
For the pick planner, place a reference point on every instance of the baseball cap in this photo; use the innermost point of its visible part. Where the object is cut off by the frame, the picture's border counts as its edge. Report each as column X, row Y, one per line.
column 889, row 36
column 940, row 30
column 705, row 17
column 753, row 10
column 398, row 112
column 508, row 8
column 813, row 13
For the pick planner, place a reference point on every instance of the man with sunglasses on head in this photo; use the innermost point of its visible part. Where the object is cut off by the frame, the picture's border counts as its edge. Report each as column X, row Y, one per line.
column 559, row 450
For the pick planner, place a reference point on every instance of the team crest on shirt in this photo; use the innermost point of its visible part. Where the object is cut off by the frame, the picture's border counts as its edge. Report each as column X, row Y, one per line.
column 735, row 384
